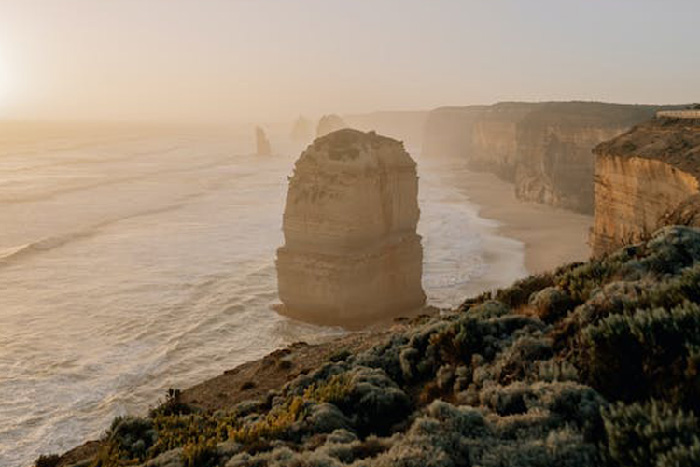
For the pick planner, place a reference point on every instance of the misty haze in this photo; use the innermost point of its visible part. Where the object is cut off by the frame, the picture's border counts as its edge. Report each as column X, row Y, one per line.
column 331, row 233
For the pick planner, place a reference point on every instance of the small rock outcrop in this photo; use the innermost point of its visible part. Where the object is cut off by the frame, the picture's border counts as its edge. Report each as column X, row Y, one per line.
column 328, row 124
column 262, row 143
column 644, row 179
column 351, row 251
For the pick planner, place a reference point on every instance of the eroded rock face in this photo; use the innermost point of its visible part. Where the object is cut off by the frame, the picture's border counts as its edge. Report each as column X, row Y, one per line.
column 543, row 148
column 351, row 251
column 646, row 178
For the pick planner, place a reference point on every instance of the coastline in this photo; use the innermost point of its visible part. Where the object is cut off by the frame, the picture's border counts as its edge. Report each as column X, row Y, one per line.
column 511, row 249
column 560, row 237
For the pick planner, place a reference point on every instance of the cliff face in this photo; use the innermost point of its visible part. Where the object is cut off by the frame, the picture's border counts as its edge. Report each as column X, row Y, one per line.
column 544, row 148
column 448, row 131
column 643, row 179
column 351, row 250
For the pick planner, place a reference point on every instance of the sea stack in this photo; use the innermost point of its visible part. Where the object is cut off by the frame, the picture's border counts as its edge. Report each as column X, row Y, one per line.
column 351, row 252
column 301, row 131
column 328, row 124
column 263, row 144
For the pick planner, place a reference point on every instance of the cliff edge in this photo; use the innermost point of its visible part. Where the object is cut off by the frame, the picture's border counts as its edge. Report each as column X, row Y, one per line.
column 592, row 364
column 646, row 178
column 543, row 148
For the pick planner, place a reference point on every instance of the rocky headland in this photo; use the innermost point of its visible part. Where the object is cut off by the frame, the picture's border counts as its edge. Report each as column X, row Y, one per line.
column 646, row 178
column 543, row 148
column 591, row 364
column 351, row 251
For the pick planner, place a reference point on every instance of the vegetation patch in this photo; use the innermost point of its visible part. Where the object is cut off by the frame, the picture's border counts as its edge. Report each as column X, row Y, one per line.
column 593, row 364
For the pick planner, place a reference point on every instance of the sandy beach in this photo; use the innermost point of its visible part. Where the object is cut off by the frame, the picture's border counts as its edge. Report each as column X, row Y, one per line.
column 551, row 236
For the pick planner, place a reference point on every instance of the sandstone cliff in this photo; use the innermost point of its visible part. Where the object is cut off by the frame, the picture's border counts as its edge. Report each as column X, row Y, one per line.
column 351, row 250
column 645, row 178
column 543, row 148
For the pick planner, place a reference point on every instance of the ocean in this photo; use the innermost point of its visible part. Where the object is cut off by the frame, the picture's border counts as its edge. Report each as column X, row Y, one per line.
column 135, row 261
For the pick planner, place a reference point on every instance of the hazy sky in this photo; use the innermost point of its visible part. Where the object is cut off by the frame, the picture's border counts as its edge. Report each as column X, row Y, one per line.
column 275, row 59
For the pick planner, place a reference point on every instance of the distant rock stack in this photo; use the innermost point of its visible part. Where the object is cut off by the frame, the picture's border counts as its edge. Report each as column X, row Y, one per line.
column 263, row 144
column 352, row 254
column 328, row 124
column 301, row 131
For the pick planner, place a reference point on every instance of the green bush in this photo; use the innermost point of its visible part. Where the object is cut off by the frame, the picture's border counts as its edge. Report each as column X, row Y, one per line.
column 203, row 453
column 650, row 434
column 650, row 353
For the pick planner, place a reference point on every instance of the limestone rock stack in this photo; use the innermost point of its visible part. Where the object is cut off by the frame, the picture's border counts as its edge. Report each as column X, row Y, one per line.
column 351, row 251
column 262, row 143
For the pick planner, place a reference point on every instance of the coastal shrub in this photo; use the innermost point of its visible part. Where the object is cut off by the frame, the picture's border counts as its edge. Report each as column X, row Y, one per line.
column 650, row 434
column 556, row 370
column 519, row 360
column 284, row 457
column 561, row 448
column 335, row 390
column 580, row 282
column 385, row 356
column 376, row 402
column 651, row 353
column 520, row 292
column 203, row 453
column 275, row 424
column 681, row 456
column 340, row 355
column 551, row 304
column 128, row 438
column 174, row 431
column 326, row 418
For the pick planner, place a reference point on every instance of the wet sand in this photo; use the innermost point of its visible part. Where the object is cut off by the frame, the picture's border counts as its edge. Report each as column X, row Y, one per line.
column 551, row 236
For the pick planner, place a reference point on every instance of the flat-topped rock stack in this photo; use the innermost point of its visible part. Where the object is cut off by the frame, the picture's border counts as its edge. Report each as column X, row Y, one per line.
column 351, row 251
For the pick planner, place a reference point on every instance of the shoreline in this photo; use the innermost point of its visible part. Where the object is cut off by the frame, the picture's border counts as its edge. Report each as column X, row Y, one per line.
column 560, row 235
column 511, row 249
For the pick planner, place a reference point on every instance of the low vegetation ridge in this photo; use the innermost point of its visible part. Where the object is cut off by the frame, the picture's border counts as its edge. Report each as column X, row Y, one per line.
column 593, row 364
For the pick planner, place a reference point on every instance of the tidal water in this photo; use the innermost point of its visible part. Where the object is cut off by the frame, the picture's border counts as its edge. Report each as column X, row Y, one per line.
column 138, row 262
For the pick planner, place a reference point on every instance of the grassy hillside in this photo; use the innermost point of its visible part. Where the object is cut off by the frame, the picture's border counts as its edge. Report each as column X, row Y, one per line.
column 594, row 364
